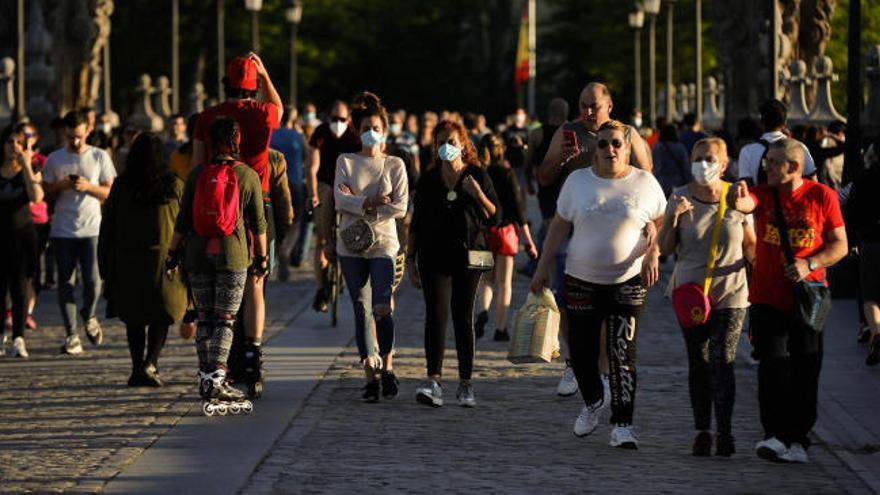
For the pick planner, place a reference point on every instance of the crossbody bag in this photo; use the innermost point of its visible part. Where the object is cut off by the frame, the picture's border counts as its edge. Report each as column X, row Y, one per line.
column 359, row 236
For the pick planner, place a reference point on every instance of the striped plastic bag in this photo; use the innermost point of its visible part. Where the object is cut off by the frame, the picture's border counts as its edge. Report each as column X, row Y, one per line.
column 535, row 337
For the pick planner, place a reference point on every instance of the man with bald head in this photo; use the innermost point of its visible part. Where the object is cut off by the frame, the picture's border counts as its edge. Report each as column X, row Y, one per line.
column 565, row 155
column 789, row 352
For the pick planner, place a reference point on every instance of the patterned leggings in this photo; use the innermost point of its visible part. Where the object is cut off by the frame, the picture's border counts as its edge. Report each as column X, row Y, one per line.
column 711, row 352
column 217, row 296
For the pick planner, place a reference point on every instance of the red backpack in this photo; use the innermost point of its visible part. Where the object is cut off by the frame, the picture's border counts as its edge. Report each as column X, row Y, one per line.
column 215, row 204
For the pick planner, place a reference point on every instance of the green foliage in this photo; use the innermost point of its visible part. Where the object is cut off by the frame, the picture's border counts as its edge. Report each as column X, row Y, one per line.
column 837, row 45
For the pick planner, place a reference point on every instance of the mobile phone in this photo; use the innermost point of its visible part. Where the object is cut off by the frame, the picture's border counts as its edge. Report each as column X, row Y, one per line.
column 570, row 138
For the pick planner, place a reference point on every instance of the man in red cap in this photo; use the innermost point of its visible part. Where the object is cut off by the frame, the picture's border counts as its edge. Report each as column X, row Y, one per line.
column 246, row 78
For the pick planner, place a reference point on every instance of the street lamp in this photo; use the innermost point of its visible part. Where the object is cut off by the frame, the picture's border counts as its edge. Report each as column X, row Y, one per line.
column 175, row 56
column 293, row 15
column 698, row 54
column 670, row 99
column 652, row 9
column 221, row 49
column 636, row 21
column 254, row 7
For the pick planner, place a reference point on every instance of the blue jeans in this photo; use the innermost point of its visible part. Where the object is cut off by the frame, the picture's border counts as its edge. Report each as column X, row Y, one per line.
column 369, row 283
column 301, row 223
column 69, row 252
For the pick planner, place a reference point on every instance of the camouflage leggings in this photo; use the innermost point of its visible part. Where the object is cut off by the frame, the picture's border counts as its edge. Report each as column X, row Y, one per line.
column 217, row 296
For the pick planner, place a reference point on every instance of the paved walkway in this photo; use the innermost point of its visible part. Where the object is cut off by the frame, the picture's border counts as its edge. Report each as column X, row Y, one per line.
column 71, row 424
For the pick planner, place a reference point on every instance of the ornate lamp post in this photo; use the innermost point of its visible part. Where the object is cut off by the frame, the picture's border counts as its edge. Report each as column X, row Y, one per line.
column 254, row 7
column 698, row 55
column 636, row 21
column 19, row 59
column 175, row 56
column 221, row 50
column 293, row 15
column 670, row 89
column 652, row 8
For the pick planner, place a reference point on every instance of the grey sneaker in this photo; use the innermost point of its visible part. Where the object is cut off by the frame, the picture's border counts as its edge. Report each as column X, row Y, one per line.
column 94, row 332
column 465, row 395
column 72, row 345
column 430, row 393
column 18, row 348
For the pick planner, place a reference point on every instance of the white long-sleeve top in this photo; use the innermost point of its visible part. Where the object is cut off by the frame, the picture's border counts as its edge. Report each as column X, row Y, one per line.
column 365, row 177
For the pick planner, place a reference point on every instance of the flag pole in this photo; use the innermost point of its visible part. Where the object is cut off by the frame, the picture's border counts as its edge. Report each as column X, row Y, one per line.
column 532, row 57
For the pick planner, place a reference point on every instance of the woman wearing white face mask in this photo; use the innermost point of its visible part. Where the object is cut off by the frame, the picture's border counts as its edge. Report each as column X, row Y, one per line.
column 453, row 206
column 709, row 241
column 370, row 190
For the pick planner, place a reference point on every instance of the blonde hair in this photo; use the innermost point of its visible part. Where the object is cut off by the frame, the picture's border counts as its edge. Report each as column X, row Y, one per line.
column 709, row 141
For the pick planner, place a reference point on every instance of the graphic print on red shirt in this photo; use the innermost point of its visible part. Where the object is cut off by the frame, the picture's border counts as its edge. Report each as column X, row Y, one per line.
column 256, row 121
column 811, row 212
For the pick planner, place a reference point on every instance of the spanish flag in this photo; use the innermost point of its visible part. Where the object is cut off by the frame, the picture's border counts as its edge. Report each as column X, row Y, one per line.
column 521, row 69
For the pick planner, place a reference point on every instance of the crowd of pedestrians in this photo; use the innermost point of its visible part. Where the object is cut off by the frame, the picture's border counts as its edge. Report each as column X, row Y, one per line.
column 186, row 228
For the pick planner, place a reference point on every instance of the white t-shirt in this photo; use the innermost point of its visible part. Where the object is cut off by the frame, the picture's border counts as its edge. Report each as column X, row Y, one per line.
column 77, row 214
column 750, row 157
column 608, row 217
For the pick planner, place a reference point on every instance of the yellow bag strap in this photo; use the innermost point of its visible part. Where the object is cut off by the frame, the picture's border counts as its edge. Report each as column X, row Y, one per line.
column 716, row 232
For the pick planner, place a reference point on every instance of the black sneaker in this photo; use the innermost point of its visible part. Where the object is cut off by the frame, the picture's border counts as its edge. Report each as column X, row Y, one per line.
column 864, row 334
column 702, row 444
column 501, row 335
column 724, row 445
column 320, row 303
column 389, row 385
column 371, row 391
column 480, row 324
column 873, row 351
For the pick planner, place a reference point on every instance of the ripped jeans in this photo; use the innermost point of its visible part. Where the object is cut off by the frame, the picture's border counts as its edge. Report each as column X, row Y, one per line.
column 369, row 284
column 620, row 306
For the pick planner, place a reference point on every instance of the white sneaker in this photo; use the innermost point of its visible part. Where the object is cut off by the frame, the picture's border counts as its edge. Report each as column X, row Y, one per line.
column 72, row 345
column 568, row 385
column 430, row 393
column 18, row 348
column 797, row 453
column 606, row 392
column 772, row 450
column 624, row 437
column 587, row 420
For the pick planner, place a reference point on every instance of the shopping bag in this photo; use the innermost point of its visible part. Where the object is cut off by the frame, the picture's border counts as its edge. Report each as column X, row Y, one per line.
column 535, row 337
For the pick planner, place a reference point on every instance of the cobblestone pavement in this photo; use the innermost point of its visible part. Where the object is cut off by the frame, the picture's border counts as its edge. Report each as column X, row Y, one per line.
column 69, row 423
column 519, row 438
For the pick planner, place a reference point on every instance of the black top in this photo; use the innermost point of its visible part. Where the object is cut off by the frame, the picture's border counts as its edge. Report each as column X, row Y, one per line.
column 15, row 211
column 863, row 207
column 516, row 139
column 331, row 147
column 547, row 195
column 508, row 190
column 445, row 229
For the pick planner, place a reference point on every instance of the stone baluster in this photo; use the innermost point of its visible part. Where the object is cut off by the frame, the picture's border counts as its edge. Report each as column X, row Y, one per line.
column 681, row 101
column 161, row 97
column 143, row 117
column 798, row 110
column 722, row 105
column 871, row 115
column 7, row 91
column 823, row 112
column 196, row 99
column 711, row 118
column 661, row 105
column 673, row 93
column 692, row 99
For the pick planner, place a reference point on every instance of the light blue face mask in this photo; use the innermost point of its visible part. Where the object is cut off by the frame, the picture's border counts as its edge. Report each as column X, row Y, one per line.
column 448, row 152
column 394, row 129
column 372, row 138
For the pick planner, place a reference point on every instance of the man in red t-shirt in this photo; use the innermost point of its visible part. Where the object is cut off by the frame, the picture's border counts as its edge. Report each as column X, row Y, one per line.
column 246, row 78
column 790, row 355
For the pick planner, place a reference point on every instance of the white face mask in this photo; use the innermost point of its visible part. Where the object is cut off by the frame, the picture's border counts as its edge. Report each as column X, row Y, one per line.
column 706, row 172
column 338, row 128
column 519, row 120
column 106, row 128
column 448, row 152
column 637, row 122
column 394, row 129
column 372, row 138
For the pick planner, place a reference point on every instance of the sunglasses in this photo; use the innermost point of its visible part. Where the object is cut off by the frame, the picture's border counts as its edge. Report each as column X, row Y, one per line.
column 603, row 143
column 337, row 119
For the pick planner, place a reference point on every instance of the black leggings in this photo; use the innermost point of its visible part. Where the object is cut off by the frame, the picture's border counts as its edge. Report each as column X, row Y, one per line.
column 620, row 307
column 154, row 340
column 442, row 291
column 711, row 352
column 17, row 257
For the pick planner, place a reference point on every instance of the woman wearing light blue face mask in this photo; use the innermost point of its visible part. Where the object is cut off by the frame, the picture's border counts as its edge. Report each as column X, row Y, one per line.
column 688, row 230
column 371, row 187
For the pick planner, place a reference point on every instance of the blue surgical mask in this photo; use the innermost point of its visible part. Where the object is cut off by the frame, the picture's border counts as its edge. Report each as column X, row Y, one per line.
column 448, row 152
column 394, row 129
column 311, row 117
column 372, row 138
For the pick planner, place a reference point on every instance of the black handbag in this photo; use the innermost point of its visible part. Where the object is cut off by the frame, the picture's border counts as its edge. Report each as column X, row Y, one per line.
column 812, row 300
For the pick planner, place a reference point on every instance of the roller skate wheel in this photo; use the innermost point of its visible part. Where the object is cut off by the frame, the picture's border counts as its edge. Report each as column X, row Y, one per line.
column 234, row 408
column 222, row 409
column 247, row 407
column 208, row 409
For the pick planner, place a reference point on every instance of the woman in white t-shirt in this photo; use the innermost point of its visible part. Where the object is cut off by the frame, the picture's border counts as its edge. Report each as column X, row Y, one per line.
column 711, row 347
column 371, row 186
column 609, row 267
